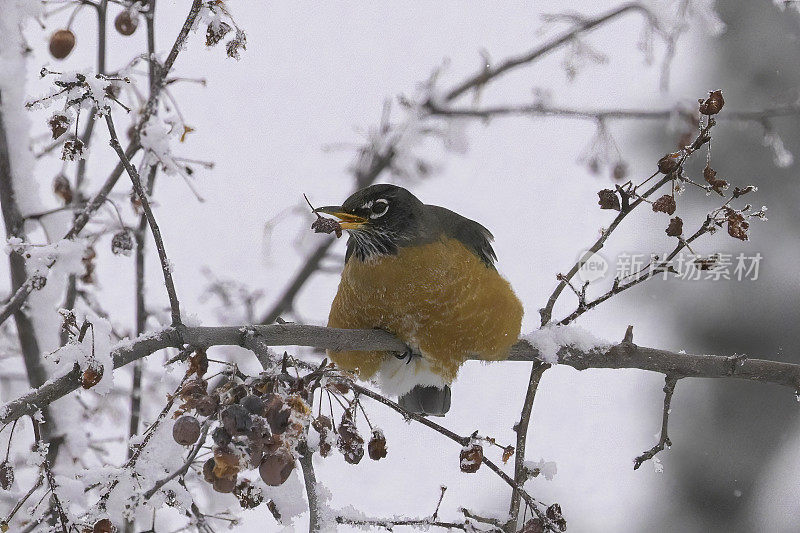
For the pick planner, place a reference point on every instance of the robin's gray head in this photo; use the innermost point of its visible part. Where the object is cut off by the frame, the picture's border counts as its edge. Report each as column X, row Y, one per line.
column 380, row 219
column 383, row 218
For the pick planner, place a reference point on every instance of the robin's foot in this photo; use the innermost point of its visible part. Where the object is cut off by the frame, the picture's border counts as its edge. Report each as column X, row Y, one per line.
column 407, row 355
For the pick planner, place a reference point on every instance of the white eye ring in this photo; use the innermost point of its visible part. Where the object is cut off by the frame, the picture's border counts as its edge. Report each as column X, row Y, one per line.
column 375, row 208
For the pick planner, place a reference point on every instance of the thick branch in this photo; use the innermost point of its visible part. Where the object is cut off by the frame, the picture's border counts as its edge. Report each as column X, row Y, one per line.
column 623, row 355
column 14, row 223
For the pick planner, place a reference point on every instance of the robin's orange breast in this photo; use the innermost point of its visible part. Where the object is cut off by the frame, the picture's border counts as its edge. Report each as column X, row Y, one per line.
column 439, row 298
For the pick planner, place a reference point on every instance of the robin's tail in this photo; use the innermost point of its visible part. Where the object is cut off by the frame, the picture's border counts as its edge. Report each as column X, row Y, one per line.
column 430, row 401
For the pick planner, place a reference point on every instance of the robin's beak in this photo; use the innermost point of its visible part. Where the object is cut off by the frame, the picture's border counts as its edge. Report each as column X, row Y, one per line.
column 346, row 220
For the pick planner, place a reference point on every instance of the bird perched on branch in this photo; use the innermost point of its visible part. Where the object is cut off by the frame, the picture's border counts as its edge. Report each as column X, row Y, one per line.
column 427, row 275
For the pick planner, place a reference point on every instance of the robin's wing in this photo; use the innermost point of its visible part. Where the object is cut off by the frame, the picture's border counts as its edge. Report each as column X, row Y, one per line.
column 471, row 234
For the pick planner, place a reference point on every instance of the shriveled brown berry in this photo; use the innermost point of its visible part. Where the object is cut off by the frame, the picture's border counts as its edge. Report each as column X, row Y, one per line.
column 104, row 526
column 72, row 150
column 377, row 445
column 208, row 470
column 713, row 104
column 59, row 124
column 193, row 387
column 534, row 525
column 127, row 22
column 226, row 463
column 669, row 163
column 717, row 185
column 62, row 188
column 61, row 43
column 253, row 404
column 236, row 420
column 675, row 228
column 89, row 256
column 276, row 468
column 122, row 243
column 554, row 514
column 249, row 496
column 224, row 485
column 665, row 204
column 198, row 363
column 186, row 430
column 216, row 31
column 91, row 376
column 277, row 414
column 6, row 475
column 608, row 199
column 350, row 442
column 327, row 225
column 737, row 225
column 206, row 405
column 471, row 457
column 221, row 437
column 322, row 423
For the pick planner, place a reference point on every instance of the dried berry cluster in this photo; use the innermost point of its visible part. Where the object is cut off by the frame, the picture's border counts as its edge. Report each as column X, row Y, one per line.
column 348, row 441
column 77, row 90
column 257, row 426
column 671, row 165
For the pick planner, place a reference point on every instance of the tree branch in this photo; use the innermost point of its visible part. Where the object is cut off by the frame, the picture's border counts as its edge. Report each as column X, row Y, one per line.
column 521, row 429
column 310, row 481
column 595, row 115
column 622, row 355
column 663, row 442
column 14, row 223
column 511, row 63
column 166, row 266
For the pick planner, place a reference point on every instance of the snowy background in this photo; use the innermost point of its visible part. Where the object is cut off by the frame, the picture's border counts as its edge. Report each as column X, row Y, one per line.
column 284, row 120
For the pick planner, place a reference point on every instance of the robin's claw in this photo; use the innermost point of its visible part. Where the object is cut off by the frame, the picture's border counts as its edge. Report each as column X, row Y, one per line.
column 407, row 355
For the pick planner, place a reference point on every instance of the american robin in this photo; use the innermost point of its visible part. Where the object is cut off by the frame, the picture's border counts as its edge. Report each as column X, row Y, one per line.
column 427, row 275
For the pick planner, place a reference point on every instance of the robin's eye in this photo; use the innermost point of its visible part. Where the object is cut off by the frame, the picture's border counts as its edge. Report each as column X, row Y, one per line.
column 378, row 208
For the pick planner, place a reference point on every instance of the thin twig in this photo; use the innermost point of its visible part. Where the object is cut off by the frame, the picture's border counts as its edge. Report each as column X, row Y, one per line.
column 166, row 266
column 184, row 468
column 521, row 429
column 583, row 26
column 310, row 481
column 51, row 479
column 663, row 442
